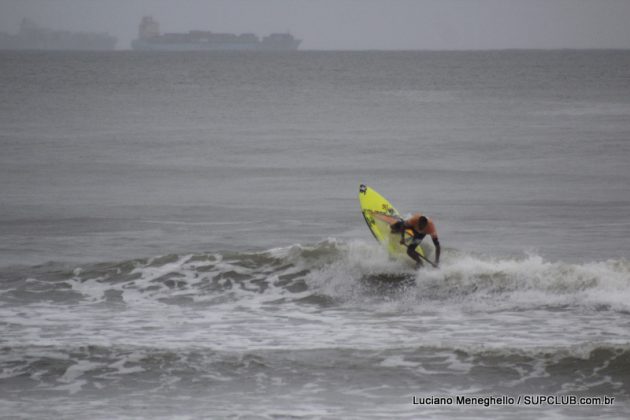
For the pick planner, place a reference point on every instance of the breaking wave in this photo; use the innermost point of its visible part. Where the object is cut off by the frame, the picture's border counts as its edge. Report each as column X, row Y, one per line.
column 305, row 321
column 328, row 273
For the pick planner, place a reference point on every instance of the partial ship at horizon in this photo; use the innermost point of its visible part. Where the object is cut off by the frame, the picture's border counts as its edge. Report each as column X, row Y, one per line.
column 150, row 39
column 32, row 36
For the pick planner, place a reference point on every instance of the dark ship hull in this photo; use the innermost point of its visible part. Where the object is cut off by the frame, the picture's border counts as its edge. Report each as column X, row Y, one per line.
column 150, row 39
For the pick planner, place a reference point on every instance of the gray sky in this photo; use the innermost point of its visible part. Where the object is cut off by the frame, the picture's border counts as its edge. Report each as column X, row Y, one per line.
column 352, row 24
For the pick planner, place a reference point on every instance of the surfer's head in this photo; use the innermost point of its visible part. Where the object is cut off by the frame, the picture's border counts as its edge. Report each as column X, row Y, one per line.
column 422, row 222
column 397, row 227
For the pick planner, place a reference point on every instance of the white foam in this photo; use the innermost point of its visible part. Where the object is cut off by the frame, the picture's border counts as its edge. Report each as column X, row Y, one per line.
column 504, row 303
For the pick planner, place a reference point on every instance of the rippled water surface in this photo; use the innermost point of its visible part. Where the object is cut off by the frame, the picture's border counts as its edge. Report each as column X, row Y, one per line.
column 180, row 234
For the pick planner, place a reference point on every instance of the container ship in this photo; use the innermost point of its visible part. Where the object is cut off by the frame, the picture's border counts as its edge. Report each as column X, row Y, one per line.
column 149, row 38
column 34, row 37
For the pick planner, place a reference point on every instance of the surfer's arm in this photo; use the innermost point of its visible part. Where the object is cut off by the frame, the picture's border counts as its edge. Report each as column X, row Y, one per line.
column 399, row 227
column 438, row 248
column 404, row 228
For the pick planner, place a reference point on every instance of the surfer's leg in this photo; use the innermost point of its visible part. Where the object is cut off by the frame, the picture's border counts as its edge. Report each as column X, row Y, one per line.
column 411, row 251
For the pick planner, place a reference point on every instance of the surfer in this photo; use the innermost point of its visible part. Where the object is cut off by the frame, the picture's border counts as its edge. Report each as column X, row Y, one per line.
column 420, row 226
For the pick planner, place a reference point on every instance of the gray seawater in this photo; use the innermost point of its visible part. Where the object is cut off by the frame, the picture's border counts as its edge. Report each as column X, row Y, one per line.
column 180, row 234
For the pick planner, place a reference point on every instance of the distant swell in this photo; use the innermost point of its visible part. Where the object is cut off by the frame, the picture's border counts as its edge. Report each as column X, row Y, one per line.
column 97, row 369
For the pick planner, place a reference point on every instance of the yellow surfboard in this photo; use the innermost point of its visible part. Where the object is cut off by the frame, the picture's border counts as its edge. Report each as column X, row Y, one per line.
column 379, row 214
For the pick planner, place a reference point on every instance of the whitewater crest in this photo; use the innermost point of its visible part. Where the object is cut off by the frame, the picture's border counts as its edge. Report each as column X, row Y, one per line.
column 328, row 273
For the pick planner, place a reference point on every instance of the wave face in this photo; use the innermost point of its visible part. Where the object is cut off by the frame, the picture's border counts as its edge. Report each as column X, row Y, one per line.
column 328, row 273
column 245, row 333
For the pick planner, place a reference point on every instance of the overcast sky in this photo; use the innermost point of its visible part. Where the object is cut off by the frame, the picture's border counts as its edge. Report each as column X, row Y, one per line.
column 352, row 24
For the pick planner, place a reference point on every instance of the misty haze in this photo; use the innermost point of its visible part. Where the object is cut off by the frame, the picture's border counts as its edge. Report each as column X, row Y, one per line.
column 350, row 24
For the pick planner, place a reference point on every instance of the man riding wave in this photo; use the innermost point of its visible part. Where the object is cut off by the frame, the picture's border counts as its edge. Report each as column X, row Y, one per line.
column 420, row 227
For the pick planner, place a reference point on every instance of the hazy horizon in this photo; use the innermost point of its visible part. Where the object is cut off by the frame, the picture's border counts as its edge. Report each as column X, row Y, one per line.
column 352, row 24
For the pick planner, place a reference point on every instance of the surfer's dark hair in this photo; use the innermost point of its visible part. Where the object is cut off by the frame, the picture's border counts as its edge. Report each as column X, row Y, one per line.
column 423, row 222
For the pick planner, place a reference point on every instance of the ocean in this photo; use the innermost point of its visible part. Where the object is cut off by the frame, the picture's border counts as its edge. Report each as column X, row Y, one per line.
column 180, row 235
